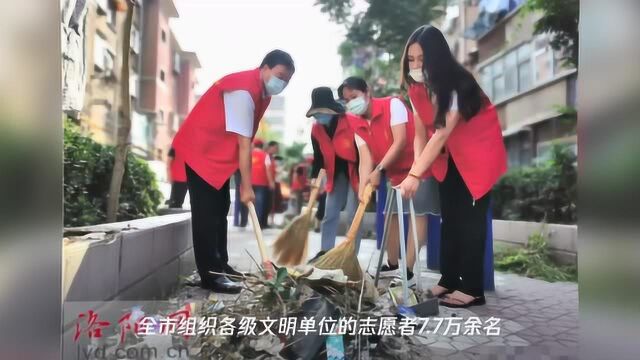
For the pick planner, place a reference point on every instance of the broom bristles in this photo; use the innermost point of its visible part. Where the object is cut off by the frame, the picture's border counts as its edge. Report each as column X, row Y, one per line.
column 290, row 248
column 342, row 257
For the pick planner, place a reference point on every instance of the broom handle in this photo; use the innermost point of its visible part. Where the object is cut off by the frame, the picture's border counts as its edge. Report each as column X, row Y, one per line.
column 258, row 232
column 315, row 191
column 357, row 218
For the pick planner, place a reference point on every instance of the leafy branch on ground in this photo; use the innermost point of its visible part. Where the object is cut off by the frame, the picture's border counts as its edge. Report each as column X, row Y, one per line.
column 534, row 261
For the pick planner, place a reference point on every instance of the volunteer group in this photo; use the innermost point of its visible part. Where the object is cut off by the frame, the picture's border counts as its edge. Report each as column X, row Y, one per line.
column 443, row 149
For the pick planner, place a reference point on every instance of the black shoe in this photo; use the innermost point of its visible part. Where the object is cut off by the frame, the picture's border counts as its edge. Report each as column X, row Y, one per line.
column 221, row 284
column 318, row 255
column 389, row 270
column 235, row 275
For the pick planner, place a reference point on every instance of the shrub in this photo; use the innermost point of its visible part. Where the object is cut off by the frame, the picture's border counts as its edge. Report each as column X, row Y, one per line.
column 87, row 174
column 540, row 193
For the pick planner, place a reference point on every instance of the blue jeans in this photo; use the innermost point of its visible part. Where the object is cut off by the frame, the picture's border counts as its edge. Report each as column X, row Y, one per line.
column 342, row 196
column 262, row 202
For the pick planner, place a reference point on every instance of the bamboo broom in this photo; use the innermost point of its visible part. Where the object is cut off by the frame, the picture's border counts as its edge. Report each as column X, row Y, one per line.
column 266, row 264
column 344, row 255
column 290, row 248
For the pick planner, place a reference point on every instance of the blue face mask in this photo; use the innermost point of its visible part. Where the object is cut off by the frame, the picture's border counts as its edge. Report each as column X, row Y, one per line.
column 323, row 119
column 357, row 106
column 275, row 85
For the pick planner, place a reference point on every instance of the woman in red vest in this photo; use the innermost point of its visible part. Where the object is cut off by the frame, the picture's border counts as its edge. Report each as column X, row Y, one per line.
column 298, row 178
column 334, row 151
column 214, row 141
column 466, row 125
column 384, row 130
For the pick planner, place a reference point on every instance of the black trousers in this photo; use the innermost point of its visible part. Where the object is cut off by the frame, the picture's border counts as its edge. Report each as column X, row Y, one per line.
column 209, row 209
column 463, row 235
column 178, row 193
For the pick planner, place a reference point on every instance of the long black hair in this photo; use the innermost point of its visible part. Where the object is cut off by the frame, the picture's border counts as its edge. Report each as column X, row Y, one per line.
column 444, row 74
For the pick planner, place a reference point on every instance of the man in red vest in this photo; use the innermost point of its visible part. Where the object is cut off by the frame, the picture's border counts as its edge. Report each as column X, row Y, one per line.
column 214, row 141
column 262, row 180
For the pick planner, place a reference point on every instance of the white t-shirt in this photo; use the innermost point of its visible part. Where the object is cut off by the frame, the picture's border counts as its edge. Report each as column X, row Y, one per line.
column 399, row 116
column 239, row 111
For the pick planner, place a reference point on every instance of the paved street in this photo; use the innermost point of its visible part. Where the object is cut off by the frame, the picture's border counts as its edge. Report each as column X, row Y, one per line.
column 536, row 316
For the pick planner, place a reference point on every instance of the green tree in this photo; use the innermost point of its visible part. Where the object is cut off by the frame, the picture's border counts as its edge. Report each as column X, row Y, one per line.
column 561, row 18
column 376, row 37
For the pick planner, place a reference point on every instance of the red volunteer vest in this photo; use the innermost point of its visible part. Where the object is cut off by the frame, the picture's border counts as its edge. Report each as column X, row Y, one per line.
column 478, row 149
column 378, row 136
column 423, row 106
column 299, row 182
column 178, row 172
column 341, row 145
column 258, row 168
column 203, row 140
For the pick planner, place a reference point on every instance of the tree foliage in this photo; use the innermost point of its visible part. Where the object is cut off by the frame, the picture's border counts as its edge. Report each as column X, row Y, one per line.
column 379, row 33
column 561, row 18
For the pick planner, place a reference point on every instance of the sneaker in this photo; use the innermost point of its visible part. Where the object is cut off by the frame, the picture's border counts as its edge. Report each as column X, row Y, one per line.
column 411, row 280
column 388, row 270
column 318, row 255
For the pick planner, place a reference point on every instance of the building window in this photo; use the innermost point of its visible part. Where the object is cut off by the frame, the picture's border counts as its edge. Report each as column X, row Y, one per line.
column 159, row 154
column 176, row 63
column 542, row 59
column 160, row 117
column 162, row 75
column 175, row 122
column 103, row 57
column 511, row 74
column 163, row 35
column 134, row 41
column 525, row 75
column 498, row 79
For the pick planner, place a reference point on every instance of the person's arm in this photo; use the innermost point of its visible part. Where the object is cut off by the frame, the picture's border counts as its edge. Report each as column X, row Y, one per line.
column 318, row 159
column 246, row 189
column 420, row 138
column 270, row 179
column 438, row 140
column 171, row 155
column 365, row 165
column 239, row 112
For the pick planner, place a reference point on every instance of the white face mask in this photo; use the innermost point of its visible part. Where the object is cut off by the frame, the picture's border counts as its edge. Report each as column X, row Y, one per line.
column 357, row 106
column 417, row 75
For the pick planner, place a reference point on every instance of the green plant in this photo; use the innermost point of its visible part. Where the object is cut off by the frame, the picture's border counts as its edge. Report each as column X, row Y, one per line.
column 381, row 32
column 87, row 173
column 539, row 193
column 560, row 18
column 534, row 261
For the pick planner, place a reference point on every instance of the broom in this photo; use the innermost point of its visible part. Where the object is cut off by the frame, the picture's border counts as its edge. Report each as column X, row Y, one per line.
column 344, row 255
column 290, row 248
column 266, row 264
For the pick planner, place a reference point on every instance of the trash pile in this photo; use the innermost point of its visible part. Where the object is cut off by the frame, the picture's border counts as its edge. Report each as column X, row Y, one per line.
column 306, row 294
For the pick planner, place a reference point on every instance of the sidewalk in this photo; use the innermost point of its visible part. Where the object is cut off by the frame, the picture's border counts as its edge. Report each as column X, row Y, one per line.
column 537, row 317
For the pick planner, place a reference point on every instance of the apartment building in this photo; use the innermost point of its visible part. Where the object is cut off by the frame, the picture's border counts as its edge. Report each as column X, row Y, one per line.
column 103, row 58
column 519, row 71
column 162, row 77
column 167, row 81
